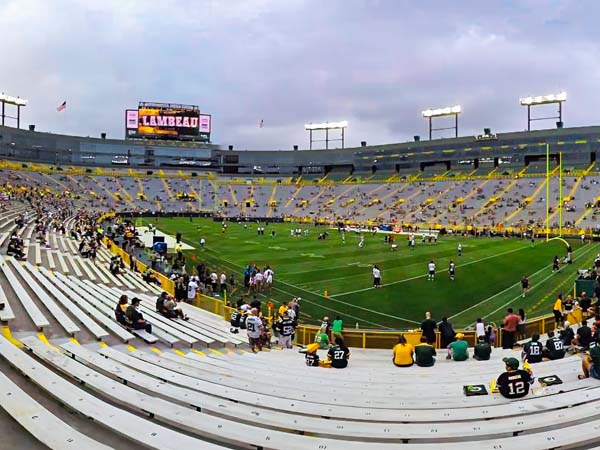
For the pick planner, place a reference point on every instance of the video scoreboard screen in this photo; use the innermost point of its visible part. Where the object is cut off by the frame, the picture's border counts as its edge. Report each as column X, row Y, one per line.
column 167, row 121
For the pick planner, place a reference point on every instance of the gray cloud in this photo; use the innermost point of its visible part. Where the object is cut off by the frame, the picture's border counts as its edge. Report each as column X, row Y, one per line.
column 374, row 63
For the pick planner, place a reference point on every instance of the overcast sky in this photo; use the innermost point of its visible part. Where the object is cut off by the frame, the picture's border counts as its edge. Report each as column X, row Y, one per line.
column 375, row 63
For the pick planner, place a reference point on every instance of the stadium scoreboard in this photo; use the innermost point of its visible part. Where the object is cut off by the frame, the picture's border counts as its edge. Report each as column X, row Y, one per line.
column 167, row 121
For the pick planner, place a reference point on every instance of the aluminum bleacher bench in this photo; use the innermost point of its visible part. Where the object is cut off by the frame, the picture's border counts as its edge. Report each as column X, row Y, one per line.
column 161, row 326
column 101, row 315
column 6, row 314
column 30, row 307
column 48, row 283
column 63, row 320
column 41, row 423
column 230, row 431
column 121, row 422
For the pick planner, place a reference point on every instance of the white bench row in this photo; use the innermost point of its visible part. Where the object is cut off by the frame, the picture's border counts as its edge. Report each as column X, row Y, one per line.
column 48, row 283
column 102, row 316
column 234, row 432
column 29, row 305
column 41, row 423
column 123, row 423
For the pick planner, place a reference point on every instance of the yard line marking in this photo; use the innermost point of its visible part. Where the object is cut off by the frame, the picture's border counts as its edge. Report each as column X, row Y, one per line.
column 546, row 278
column 424, row 275
column 330, row 299
column 509, row 287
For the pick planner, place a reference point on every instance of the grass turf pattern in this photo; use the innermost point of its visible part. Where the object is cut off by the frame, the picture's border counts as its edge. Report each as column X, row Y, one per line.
column 487, row 274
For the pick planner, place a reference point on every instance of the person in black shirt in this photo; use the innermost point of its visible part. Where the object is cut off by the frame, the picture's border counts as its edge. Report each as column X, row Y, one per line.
column 585, row 303
column 339, row 354
column 554, row 347
column 532, row 351
column 135, row 316
column 120, row 312
column 428, row 327
column 566, row 334
column 515, row 382
column 447, row 333
column 583, row 338
column 482, row 350
column 286, row 328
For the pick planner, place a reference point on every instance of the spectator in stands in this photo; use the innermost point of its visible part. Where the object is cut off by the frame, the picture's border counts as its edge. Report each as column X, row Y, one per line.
column 554, row 347
column 337, row 327
column 192, row 288
column 509, row 329
column 149, row 277
column 172, row 309
column 428, row 327
column 585, row 303
column 286, row 328
column 568, row 305
column 521, row 325
column 479, row 329
column 447, row 332
column 403, row 353
column 312, row 357
column 339, row 354
column 515, row 382
column 532, row 350
column 120, row 311
column 254, row 329
column 326, row 325
column 136, row 317
column 322, row 338
column 482, row 350
column 566, row 334
column 160, row 302
column 591, row 363
column 424, row 353
column 490, row 334
column 458, row 350
column 557, row 310
column 583, row 338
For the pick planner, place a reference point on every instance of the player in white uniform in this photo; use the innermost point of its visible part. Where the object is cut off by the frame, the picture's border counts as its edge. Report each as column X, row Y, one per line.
column 268, row 276
column 376, row 277
column 361, row 243
column 431, row 270
column 452, row 270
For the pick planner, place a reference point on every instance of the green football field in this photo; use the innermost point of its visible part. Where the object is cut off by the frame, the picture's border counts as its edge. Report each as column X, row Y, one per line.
column 487, row 275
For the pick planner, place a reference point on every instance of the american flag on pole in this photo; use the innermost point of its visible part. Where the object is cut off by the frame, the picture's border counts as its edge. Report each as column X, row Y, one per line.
column 261, row 123
column 62, row 106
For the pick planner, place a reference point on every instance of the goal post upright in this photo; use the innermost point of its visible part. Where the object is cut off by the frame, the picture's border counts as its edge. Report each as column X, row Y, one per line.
column 547, row 191
column 560, row 195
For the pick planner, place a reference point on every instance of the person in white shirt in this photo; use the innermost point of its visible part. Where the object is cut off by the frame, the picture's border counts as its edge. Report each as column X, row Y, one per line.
column 202, row 242
column 223, row 282
column 480, row 329
column 268, row 275
column 213, row 281
column 258, row 280
column 254, row 329
column 459, row 248
column 361, row 243
column 192, row 288
column 431, row 271
column 376, row 277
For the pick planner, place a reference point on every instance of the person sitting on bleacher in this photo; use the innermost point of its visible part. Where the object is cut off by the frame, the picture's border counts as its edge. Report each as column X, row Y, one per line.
column 338, row 354
column 515, row 382
column 532, row 351
column 566, row 334
column 458, row 350
column 172, row 310
column 591, row 362
column 482, row 350
column 424, row 353
column 555, row 348
column 149, row 277
column 15, row 247
column 583, row 338
column 403, row 353
column 135, row 316
column 120, row 310
column 160, row 302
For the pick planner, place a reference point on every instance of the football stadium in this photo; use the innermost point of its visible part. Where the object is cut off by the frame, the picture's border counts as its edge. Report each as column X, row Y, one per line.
column 163, row 289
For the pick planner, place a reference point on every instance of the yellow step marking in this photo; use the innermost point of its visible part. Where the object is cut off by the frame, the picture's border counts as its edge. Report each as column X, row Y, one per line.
column 8, row 335
column 131, row 348
column 103, row 344
column 217, row 352
column 74, row 341
column 155, row 350
column 198, row 352
column 179, row 352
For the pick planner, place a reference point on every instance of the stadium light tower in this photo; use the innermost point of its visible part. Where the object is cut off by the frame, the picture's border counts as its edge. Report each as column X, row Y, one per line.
column 440, row 112
column 15, row 101
column 310, row 127
column 544, row 100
